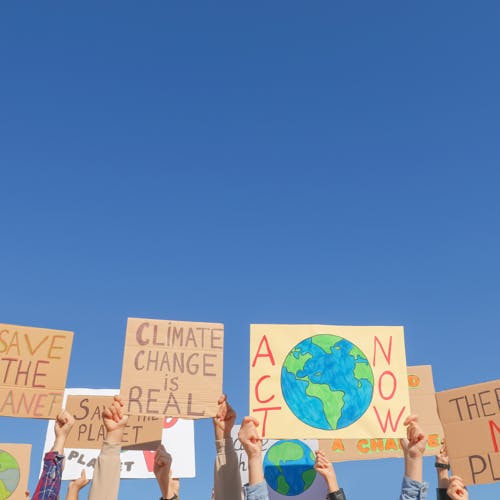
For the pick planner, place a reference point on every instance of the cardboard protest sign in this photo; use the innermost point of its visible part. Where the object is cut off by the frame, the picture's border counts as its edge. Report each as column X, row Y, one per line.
column 422, row 403
column 14, row 470
column 177, row 437
column 288, row 468
column 471, row 420
column 172, row 368
column 141, row 433
column 34, row 365
column 318, row 381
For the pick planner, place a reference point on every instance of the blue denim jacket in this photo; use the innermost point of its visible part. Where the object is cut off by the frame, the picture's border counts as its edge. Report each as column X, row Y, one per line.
column 413, row 490
column 256, row 491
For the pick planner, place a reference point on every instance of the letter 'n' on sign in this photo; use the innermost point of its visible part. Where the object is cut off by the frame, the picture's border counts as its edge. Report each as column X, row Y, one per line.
column 172, row 368
column 317, row 381
column 33, row 369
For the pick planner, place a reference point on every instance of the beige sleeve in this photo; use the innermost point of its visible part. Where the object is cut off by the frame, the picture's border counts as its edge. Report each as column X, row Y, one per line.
column 227, row 480
column 106, row 480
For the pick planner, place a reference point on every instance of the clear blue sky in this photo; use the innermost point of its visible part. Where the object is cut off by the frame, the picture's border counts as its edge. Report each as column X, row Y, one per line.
column 269, row 162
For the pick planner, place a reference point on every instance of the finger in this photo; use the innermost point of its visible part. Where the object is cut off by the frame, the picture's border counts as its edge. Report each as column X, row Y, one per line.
column 412, row 418
column 250, row 420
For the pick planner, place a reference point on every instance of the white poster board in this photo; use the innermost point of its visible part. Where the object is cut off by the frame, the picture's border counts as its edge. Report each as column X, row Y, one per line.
column 178, row 439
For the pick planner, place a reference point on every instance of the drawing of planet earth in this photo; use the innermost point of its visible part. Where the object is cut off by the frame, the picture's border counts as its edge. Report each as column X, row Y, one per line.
column 327, row 382
column 9, row 475
column 289, row 467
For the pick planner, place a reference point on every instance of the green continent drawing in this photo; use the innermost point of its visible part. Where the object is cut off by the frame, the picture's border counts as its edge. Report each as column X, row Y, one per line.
column 327, row 382
column 289, row 467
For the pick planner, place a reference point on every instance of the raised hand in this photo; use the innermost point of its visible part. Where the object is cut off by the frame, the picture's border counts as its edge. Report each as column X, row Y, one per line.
column 456, row 489
column 114, row 420
column 225, row 418
column 415, row 442
column 62, row 426
column 324, row 467
column 161, row 469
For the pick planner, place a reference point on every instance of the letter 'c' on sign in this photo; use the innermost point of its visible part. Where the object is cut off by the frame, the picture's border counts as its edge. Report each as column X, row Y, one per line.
column 257, row 385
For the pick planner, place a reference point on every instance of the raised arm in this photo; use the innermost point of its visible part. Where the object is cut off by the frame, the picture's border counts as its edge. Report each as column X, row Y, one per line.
column 325, row 469
column 106, row 480
column 76, row 485
column 163, row 462
column 227, row 479
column 413, row 447
column 49, row 484
column 442, row 470
column 249, row 437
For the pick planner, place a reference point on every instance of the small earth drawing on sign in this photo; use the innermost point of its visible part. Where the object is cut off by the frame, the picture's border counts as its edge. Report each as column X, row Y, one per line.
column 289, row 467
column 327, row 382
column 9, row 475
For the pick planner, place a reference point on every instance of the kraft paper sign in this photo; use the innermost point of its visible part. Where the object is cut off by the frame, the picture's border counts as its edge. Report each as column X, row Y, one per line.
column 141, row 433
column 34, row 365
column 172, row 368
column 14, row 470
column 177, row 437
column 318, row 381
column 471, row 420
column 422, row 403
column 288, row 468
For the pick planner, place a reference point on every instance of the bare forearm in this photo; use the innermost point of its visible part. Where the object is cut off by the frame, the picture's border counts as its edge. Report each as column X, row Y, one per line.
column 59, row 445
column 443, row 480
column 72, row 493
column 413, row 468
column 331, row 482
column 255, row 471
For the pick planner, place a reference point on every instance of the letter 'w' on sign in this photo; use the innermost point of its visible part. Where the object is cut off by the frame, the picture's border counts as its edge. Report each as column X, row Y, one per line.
column 172, row 368
column 422, row 403
column 471, row 421
column 33, row 368
column 336, row 382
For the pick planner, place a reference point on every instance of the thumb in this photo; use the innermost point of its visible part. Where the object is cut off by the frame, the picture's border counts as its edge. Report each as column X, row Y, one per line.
column 403, row 442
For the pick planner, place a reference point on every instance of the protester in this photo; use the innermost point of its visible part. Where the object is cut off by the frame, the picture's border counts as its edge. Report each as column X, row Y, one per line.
column 49, row 484
column 106, row 480
column 227, row 479
column 413, row 488
column 256, row 489
column 456, row 489
column 326, row 470
column 76, row 485
column 162, row 469
column 442, row 468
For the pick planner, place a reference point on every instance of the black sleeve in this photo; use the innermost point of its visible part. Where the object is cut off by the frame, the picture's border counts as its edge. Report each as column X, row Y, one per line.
column 441, row 494
column 336, row 495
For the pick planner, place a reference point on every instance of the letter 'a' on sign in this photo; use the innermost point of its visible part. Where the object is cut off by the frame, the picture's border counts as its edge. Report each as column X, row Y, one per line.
column 172, row 368
column 33, row 368
column 14, row 470
column 471, row 421
column 318, row 381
